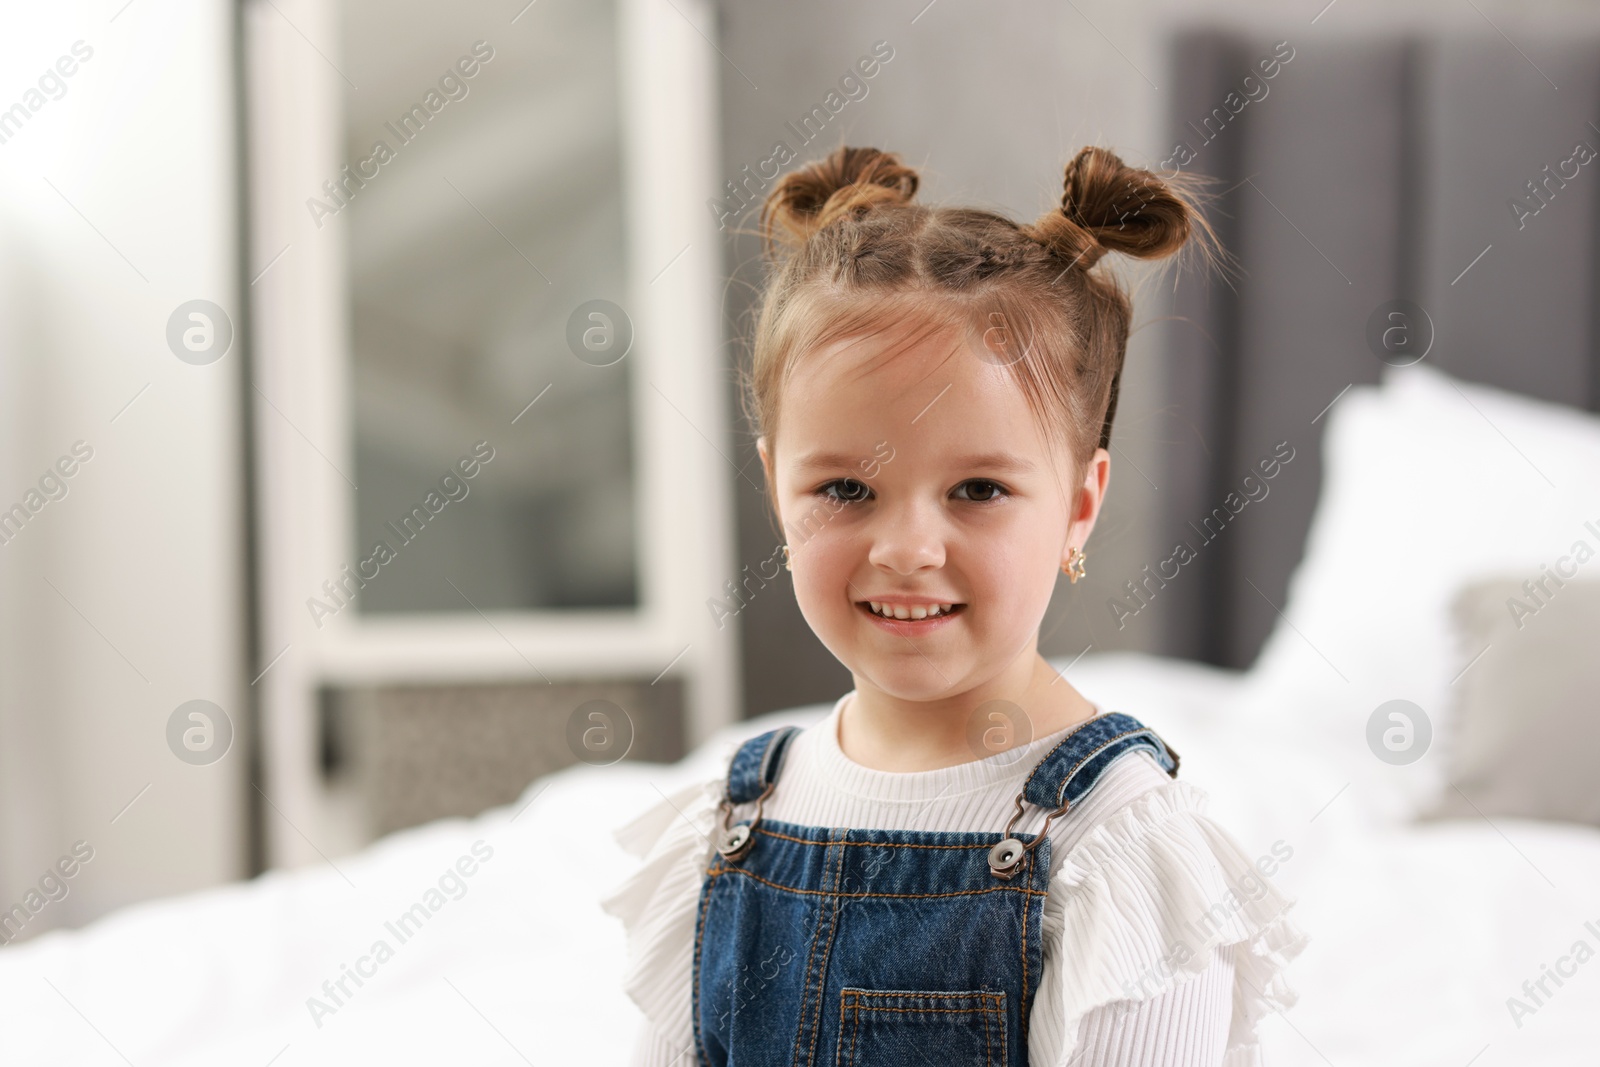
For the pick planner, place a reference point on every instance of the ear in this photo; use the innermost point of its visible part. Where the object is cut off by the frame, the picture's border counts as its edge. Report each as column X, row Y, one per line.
column 766, row 460
column 772, row 478
column 1090, row 496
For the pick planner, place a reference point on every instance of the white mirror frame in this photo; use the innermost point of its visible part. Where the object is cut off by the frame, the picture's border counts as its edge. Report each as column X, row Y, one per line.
column 304, row 418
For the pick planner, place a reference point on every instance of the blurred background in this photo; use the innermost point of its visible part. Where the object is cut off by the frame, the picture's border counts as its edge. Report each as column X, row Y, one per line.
column 391, row 348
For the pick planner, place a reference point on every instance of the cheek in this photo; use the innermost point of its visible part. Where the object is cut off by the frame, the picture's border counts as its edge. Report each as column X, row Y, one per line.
column 823, row 595
column 1014, row 571
column 1008, row 575
column 830, row 563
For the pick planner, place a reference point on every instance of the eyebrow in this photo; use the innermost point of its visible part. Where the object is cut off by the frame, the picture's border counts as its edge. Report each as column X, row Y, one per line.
column 995, row 461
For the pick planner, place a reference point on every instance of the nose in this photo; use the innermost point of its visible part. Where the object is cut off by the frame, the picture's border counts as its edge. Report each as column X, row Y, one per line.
column 907, row 538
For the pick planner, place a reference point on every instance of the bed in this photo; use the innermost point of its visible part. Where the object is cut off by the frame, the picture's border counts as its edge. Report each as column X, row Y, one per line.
column 1419, row 934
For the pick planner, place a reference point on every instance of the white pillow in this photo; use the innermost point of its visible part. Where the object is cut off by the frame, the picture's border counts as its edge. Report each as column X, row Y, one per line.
column 1523, row 731
column 1428, row 482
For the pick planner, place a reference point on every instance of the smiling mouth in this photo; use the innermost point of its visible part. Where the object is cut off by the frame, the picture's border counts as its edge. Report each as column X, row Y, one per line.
column 903, row 613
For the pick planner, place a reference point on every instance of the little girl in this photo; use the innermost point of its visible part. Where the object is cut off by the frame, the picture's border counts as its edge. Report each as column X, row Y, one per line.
column 967, row 862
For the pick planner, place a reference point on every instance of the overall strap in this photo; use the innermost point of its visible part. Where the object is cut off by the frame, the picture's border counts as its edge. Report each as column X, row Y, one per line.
column 756, row 764
column 1068, row 771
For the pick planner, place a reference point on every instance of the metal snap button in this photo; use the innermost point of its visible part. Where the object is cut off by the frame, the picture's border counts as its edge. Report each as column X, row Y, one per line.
column 736, row 841
column 1005, row 856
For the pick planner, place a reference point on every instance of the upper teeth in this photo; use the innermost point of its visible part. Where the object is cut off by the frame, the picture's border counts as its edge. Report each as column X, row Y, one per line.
column 900, row 611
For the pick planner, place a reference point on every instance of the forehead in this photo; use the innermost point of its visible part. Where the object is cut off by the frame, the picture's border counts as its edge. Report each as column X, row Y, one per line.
column 934, row 394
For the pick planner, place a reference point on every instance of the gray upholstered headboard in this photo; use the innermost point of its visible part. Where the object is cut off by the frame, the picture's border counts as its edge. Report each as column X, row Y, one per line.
column 1362, row 172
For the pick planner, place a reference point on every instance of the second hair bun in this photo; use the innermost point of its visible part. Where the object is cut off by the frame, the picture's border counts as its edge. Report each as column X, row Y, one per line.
column 1108, row 206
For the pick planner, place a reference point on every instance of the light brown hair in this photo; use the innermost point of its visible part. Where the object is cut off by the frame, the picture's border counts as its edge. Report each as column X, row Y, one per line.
column 853, row 255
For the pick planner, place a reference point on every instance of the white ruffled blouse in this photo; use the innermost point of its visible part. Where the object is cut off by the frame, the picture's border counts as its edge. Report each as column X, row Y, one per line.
column 1163, row 942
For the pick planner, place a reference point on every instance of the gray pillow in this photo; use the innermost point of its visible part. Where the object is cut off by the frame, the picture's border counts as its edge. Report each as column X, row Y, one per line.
column 1524, row 733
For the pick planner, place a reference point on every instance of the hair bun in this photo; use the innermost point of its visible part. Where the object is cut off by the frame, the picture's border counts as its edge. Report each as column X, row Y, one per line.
column 1108, row 206
column 848, row 180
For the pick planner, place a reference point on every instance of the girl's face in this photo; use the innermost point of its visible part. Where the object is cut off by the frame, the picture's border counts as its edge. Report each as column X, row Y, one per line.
column 916, row 480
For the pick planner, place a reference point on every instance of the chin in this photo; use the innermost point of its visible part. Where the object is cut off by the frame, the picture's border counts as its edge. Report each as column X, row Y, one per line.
column 913, row 681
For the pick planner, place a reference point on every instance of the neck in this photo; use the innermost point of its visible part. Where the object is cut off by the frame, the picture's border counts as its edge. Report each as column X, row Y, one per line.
column 887, row 733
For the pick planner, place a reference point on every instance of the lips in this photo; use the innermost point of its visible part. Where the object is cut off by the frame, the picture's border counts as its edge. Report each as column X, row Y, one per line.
column 911, row 609
column 945, row 614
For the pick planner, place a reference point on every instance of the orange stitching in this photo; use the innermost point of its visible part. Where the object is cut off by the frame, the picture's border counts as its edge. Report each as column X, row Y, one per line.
column 1073, row 769
column 988, row 1042
column 850, row 1012
column 1091, row 755
column 855, row 1025
column 871, row 844
column 811, row 955
column 852, row 991
column 1027, row 906
column 893, row 896
column 833, row 929
column 1069, row 737
column 856, row 1031
column 776, row 885
column 699, row 934
column 930, row 1011
column 992, row 1003
column 853, row 1001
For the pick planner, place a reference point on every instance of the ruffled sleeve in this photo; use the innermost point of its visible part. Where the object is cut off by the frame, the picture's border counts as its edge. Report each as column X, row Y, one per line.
column 658, row 903
column 1139, row 905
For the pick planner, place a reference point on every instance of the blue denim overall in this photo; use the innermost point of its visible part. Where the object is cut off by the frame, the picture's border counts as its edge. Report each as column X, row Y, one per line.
column 881, row 948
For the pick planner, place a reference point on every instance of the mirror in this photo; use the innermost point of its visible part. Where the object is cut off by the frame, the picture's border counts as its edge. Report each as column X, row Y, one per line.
column 483, row 202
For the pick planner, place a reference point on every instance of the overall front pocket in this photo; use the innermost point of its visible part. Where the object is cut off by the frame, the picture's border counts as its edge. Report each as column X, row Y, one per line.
column 914, row 1027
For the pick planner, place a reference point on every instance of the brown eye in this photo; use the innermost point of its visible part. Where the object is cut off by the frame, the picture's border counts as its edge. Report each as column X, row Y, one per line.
column 845, row 490
column 983, row 490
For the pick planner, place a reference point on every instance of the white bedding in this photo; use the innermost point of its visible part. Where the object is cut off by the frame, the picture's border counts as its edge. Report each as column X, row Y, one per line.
column 1419, row 933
